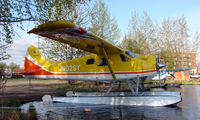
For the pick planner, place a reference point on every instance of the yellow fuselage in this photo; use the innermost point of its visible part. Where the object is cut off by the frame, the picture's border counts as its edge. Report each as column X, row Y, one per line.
column 91, row 67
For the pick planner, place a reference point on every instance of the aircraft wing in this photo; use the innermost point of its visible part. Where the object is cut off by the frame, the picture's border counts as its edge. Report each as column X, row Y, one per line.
column 174, row 70
column 75, row 36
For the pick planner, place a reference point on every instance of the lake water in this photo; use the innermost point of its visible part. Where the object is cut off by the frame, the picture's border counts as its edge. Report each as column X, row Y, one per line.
column 188, row 109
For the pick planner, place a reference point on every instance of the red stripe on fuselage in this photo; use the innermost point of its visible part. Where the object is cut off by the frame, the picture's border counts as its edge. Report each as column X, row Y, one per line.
column 41, row 71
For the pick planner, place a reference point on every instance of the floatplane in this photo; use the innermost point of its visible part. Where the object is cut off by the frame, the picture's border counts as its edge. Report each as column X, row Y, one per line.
column 107, row 63
column 167, row 74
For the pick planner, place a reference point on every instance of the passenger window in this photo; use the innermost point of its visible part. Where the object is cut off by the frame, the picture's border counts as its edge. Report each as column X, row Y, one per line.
column 90, row 61
column 130, row 54
column 123, row 58
column 102, row 62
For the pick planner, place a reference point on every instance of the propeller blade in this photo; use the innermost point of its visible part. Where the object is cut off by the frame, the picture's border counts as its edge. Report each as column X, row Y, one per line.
column 159, row 65
column 172, row 75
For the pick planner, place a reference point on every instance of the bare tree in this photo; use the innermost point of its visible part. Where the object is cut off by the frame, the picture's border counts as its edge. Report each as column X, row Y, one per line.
column 102, row 24
column 174, row 36
column 141, row 37
column 195, row 43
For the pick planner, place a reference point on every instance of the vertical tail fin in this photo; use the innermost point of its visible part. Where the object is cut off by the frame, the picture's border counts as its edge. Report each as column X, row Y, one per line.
column 33, row 59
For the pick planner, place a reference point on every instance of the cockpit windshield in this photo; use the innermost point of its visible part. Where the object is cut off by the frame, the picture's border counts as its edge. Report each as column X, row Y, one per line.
column 131, row 54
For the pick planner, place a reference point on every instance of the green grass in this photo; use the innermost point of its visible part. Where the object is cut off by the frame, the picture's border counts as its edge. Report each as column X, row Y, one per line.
column 15, row 114
column 81, row 86
column 10, row 103
column 16, row 78
column 148, row 82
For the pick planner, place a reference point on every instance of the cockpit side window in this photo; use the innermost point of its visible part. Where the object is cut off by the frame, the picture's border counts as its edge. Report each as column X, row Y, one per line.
column 123, row 58
column 102, row 62
column 90, row 61
column 130, row 54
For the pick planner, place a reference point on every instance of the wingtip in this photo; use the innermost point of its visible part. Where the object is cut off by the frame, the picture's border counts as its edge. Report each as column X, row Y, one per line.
column 51, row 25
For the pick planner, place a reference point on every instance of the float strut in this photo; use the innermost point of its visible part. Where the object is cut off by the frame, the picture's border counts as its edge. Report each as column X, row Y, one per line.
column 110, row 88
column 119, row 86
column 142, row 84
column 130, row 86
column 137, row 84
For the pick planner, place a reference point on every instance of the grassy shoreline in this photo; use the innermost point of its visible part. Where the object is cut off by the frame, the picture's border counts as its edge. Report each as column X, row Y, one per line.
column 184, row 82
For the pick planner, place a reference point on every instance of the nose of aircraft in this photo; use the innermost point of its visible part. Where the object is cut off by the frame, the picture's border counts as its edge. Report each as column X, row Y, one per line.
column 159, row 65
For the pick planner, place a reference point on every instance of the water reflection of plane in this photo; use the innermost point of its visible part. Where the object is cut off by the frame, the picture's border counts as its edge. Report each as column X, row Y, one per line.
column 76, row 111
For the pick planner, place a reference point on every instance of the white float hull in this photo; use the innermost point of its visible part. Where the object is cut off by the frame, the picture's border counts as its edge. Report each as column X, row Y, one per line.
column 147, row 99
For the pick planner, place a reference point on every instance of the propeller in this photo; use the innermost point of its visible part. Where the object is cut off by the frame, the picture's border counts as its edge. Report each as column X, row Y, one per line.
column 159, row 65
column 172, row 75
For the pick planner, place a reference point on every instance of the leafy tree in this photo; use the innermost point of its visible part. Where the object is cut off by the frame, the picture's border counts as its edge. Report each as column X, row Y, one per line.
column 11, row 12
column 168, row 58
column 14, row 66
column 77, row 13
column 3, row 65
column 138, row 44
column 14, row 12
column 102, row 24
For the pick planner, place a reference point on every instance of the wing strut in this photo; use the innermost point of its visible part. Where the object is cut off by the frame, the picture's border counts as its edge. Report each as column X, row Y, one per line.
column 108, row 62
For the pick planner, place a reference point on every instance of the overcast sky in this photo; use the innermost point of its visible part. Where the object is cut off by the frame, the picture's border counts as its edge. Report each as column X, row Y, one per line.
column 122, row 10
